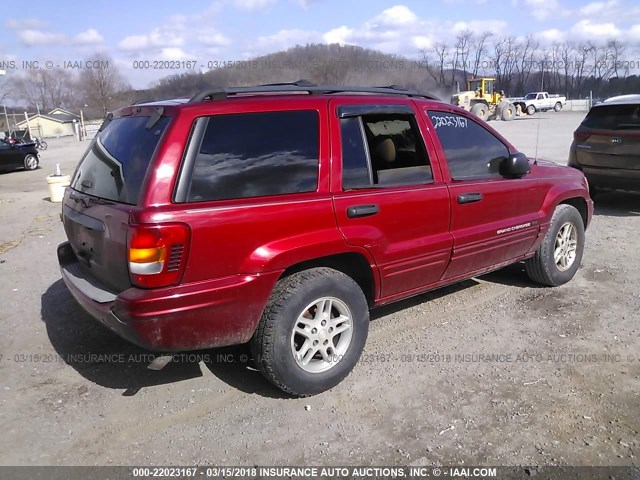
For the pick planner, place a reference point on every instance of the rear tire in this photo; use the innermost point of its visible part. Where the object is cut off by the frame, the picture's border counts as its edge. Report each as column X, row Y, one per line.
column 558, row 257
column 508, row 112
column 307, row 310
column 30, row 162
column 594, row 191
column 43, row 145
column 480, row 110
column 557, row 107
column 531, row 110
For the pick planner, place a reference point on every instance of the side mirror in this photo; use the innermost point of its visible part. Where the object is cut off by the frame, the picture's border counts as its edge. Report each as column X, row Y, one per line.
column 515, row 166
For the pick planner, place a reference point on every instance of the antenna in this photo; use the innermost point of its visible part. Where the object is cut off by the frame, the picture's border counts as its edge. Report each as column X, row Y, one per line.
column 537, row 140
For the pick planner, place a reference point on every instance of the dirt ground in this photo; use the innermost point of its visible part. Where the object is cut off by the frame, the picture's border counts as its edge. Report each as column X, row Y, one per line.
column 492, row 371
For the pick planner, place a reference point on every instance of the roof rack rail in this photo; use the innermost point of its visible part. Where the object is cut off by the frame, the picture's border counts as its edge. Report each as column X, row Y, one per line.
column 303, row 86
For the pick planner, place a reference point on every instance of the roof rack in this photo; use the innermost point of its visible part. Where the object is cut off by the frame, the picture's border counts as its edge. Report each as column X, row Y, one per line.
column 303, row 86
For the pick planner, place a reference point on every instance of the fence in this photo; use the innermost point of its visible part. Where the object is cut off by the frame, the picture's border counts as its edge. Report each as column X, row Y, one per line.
column 577, row 105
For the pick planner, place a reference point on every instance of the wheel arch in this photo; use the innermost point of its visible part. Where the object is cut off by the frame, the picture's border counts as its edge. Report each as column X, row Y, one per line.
column 579, row 204
column 574, row 196
column 353, row 264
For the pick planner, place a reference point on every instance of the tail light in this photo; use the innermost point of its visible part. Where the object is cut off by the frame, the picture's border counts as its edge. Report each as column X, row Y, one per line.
column 579, row 136
column 157, row 254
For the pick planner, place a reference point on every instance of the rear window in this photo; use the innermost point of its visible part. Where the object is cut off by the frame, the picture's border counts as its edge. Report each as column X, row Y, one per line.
column 613, row 117
column 257, row 154
column 116, row 162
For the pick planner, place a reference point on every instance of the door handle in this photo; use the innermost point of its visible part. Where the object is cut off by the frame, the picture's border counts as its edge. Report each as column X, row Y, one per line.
column 362, row 211
column 469, row 197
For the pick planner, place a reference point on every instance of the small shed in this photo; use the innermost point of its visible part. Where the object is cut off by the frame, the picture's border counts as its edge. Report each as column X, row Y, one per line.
column 57, row 123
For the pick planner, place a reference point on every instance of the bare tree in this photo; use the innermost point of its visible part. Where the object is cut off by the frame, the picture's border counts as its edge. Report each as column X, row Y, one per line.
column 566, row 55
column 101, row 84
column 45, row 89
column 616, row 54
column 525, row 53
column 504, row 57
column 463, row 43
column 6, row 88
column 435, row 61
column 479, row 45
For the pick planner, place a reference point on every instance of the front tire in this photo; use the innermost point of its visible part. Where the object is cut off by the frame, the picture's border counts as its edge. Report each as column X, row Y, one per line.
column 43, row 145
column 30, row 162
column 531, row 110
column 312, row 332
column 480, row 110
column 558, row 257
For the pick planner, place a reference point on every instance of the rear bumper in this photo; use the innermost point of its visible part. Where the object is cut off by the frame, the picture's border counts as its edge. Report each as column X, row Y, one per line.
column 613, row 178
column 214, row 313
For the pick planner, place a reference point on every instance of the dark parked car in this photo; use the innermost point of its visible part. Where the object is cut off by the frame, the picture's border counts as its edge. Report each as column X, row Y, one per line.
column 279, row 215
column 606, row 145
column 18, row 155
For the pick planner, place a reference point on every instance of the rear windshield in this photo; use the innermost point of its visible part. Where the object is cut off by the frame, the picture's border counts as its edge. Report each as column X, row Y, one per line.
column 117, row 159
column 614, row 117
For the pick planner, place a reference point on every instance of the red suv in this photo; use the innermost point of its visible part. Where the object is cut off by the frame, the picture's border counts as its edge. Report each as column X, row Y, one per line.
column 279, row 215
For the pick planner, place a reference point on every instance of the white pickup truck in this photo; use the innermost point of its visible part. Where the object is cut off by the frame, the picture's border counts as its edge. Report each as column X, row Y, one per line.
column 538, row 102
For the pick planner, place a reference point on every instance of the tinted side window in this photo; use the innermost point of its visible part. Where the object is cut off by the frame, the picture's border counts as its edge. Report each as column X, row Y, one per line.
column 383, row 150
column 471, row 150
column 257, row 154
column 613, row 117
column 356, row 172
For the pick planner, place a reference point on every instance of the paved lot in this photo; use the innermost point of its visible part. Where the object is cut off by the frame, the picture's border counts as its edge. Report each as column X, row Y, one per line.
column 490, row 371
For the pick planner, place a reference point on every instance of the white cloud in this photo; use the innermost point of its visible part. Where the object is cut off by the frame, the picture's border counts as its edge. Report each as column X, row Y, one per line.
column 480, row 26
column 551, row 35
column 88, row 37
column 587, row 30
column 134, row 42
column 252, row 5
column 174, row 53
column 338, row 35
column 285, row 39
column 28, row 23
column 596, row 8
column 634, row 33
column 158, row 38
column 397, row 30
column 213, row 39
column 37, row 37
column 422, row 42
column 542, row 10
column 305, row 4
column 395, row 16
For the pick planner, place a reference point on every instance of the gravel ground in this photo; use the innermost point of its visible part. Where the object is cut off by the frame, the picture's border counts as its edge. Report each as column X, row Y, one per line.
column 490, row 371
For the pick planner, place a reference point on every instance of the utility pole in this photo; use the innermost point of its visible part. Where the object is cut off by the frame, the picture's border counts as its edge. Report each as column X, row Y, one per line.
column 4, row 72
column 6, row 119
column 39, row 126
column 26, row 116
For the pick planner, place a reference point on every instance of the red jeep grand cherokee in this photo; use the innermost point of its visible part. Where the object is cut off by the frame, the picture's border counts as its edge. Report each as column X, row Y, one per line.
column 280, row 214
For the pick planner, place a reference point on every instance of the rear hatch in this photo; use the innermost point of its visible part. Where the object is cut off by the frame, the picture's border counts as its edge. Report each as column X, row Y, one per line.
column 105, row 188
column 609, row 137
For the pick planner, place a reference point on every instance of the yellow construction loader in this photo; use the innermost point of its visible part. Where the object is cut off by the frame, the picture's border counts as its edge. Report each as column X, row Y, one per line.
column 484, row 101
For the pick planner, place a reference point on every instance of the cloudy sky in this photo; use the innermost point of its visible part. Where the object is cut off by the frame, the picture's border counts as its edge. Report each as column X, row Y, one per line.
column 224, row 30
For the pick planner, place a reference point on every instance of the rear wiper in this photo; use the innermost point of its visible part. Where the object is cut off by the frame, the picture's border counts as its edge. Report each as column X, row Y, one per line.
column 87, row 201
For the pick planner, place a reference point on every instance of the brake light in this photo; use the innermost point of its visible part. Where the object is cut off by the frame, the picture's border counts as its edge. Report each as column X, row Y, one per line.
column 579, row 136
column 157, row 254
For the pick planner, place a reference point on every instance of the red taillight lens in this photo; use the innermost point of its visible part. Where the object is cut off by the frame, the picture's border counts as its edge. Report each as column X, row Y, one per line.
column 579, row 136
column 157, row 254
